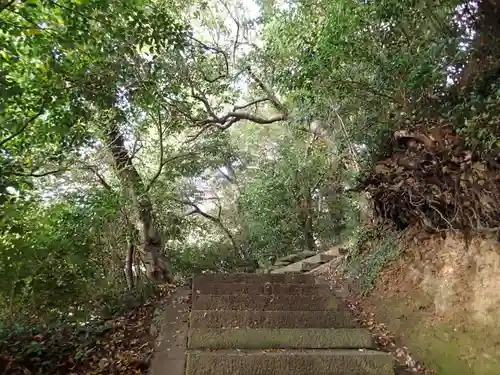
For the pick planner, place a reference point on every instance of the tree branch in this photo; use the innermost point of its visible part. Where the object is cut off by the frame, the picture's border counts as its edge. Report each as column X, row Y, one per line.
column 232, row 117
column 24, row 126
column 135, row 148
column 238, row 27
column 225, row 175
column 217, row 51
column 215, row 220
column 42, row 174
column 167, row 161
column 205, row 102
column 270, row 94
column 99, row 176
column 8, row 4
column 237, row 107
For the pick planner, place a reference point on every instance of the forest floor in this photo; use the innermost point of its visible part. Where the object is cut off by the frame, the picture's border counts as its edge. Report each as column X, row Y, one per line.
column 122, row 345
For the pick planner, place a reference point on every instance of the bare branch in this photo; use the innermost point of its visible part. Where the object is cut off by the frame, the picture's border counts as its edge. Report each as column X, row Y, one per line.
column 352, row 151
column 237, row 116
column 238, row 28
column 103, row 181
column 40, row 174
column 136, row 148
column 205, row 102
column 231, row 118
column 198, row 210
column 238, row 107
column 100, row 177
column 270, row 94
column 217, row 51
column 235, row 45
column 168, row 161
column 199, row 133
column 178, row 105
column 24, row 126
column 216, row 220
column 225, row 175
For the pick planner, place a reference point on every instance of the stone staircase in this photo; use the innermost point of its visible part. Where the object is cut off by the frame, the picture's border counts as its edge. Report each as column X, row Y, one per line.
column 306, row 263
column 273, row 324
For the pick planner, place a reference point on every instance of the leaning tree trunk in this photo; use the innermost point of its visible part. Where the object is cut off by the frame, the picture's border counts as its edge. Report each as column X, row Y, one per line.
column 150, row 241
column 306, row 219
column 129, row 264
column 484, row 62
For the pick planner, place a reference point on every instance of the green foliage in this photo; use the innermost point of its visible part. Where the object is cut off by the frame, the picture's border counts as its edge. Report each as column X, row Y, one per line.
column 276, row 199
column 66, row 67
column 51, row 257
column 210, row 257
column 71, row 70
column 370, row 250
column 381, row 65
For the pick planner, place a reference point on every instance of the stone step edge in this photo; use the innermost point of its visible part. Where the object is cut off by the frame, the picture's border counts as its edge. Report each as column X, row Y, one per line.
column 257, row 278
column 276, row 338
column 265, row 289
column 287, row 362
column 271, row 319
column 267, row 302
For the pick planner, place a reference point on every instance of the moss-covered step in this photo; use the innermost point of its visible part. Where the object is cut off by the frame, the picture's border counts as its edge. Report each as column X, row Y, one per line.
column 272, row 319
column 280, row 338
column 267, row 302
column 288, row 362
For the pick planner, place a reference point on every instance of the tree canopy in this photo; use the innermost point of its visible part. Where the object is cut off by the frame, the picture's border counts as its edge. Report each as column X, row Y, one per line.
column 144, row 141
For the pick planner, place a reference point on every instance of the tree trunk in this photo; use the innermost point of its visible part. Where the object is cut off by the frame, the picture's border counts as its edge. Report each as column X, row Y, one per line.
column 157, row 266
column 484, row 62
column 129, row 263
column 307, row 221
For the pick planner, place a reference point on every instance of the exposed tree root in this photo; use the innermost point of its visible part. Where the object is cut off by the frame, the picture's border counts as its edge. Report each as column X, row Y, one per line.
column 433, row 179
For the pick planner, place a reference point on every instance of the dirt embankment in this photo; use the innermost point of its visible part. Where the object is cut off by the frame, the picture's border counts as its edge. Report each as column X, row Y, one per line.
column 443, row 299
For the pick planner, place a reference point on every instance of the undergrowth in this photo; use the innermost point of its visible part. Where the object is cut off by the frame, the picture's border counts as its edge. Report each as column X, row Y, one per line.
column 370, row 250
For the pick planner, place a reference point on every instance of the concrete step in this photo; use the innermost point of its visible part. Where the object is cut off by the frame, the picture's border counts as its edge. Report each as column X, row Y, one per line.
column 267, row 302
column 325, row 258
column 272, row 319
column 306, row 265
column 290, row 362
column 252, row 278
column 290, row 269
column 245, row 288
column 337, row 250
column 320, row 258
column 292, row 258
column 280, row 338
column 311, row 263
